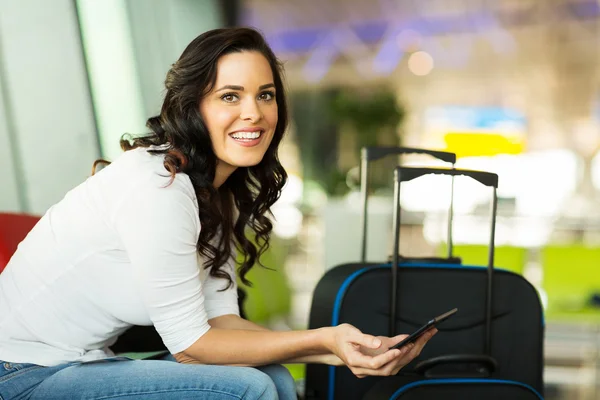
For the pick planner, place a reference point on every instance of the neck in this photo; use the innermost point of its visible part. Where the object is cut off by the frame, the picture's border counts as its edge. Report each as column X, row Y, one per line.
column 222, row 172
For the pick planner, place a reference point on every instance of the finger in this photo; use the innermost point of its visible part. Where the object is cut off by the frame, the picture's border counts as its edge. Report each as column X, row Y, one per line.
column 420, row 343
column 386, row 370
column 405, row 349
column 360, row 360
column 398, row 338
column 431, row 332
column 426, row 336
column 405, row 356
column 391, row 367
column 366, row 340
column 402, row 360
column 383, row 359
column 364, row 372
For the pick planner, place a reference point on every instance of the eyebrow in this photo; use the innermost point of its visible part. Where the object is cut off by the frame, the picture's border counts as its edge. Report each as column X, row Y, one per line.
column 241, row 88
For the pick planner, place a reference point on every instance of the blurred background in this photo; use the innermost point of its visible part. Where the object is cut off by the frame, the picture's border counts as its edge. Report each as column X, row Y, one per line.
column 511, row 86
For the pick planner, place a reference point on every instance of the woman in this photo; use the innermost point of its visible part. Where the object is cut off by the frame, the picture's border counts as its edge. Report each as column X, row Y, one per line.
column 150, row 241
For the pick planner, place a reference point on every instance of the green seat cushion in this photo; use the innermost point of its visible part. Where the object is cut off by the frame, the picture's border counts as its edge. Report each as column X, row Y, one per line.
column 505, row 257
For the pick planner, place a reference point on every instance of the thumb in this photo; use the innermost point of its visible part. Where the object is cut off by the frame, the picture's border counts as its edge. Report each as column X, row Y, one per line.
column 367, row 341
column 398, row 338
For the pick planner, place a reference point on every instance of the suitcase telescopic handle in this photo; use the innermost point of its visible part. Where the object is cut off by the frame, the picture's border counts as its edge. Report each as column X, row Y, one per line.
column 368, row 154
column 405, row 174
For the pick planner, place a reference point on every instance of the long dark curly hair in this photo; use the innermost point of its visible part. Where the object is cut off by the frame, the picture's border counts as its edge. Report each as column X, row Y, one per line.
column 186, row 145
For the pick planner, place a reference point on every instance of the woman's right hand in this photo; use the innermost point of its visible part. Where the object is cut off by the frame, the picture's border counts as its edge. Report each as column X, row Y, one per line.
column 346, row 342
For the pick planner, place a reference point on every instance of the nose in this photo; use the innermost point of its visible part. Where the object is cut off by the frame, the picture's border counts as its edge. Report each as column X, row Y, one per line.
column 251, row 112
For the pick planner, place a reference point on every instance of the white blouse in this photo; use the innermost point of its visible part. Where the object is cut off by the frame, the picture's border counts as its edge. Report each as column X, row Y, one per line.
column 118, row 250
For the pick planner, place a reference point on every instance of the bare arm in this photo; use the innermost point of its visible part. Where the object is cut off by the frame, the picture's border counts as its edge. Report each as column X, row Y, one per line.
column 232, row 321
column 250, row 347
column 246, row 344
column 235, row 322
column 363, row 354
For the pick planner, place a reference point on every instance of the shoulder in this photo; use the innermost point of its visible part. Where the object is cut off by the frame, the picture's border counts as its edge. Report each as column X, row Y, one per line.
column 147, row 188
column 145, row 172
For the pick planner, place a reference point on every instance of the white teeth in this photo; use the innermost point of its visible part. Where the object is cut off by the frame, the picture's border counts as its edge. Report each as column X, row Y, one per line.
column 246, row 135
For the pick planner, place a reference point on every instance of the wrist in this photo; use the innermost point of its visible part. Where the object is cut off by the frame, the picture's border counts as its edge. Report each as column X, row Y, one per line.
column 327, row 339
column 331, row 359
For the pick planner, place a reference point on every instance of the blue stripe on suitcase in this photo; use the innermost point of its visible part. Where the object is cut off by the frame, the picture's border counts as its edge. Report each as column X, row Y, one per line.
column 409, row 386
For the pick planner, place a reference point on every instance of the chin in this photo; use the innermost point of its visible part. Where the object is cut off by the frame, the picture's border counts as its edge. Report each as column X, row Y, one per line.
column 247, row 158
column 248, row 163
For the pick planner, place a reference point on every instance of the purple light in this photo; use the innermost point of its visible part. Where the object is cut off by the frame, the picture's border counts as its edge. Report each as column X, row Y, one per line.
column 320, row 45
column 388, row 57
column 584, row 10
column 320, row 60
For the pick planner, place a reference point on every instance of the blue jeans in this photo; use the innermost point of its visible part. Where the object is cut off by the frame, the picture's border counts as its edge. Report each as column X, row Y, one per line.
column 120, row 378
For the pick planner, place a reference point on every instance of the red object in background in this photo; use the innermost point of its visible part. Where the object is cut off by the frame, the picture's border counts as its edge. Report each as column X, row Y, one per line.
column 13, row 229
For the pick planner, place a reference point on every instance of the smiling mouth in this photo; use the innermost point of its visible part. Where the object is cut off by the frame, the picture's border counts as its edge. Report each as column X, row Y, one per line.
column 246, row 136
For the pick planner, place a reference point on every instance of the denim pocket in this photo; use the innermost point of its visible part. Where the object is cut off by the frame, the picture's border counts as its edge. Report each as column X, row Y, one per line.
column 18, row 380
column 9, row 369
column 8, row 366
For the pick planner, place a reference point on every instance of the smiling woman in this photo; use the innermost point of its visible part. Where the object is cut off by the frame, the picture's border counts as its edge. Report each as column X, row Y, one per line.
column 151, row 240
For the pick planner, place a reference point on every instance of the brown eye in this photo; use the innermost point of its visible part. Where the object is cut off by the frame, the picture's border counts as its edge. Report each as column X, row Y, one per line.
column 266, row 96
column 229, row 97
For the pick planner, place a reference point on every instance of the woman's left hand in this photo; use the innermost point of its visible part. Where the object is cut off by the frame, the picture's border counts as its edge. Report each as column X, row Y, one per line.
column 407, row 353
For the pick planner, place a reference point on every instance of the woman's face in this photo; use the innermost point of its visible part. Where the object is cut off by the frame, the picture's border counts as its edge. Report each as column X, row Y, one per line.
column 240, row 112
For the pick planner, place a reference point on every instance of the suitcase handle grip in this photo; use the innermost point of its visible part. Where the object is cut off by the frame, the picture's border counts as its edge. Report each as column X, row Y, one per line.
column 406, row 174
column 372, row 153
column 488, row 364
column 375, row 153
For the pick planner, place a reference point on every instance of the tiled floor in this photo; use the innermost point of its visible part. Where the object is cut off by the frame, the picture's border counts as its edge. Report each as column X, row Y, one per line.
column 572, row 358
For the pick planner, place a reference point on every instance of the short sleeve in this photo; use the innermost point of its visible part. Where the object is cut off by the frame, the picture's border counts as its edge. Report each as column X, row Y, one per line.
column 159, row 228
column 218, row 301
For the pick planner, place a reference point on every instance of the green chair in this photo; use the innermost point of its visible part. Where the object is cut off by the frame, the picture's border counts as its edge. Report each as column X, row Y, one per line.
column 270, row 295
column 571, row 278
column 506, row 257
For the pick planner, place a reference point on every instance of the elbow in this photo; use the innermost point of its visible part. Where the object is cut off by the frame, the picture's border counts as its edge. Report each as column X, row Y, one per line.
column 199, row 352
column 196, row 353
column 184, row 358
column 209, row 349
column 191, row 355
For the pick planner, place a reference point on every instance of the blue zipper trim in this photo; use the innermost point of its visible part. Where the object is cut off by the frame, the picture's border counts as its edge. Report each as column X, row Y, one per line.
column 405, row 388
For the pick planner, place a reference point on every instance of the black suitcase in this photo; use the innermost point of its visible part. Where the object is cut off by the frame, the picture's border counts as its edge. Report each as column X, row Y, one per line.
column 490, row 348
